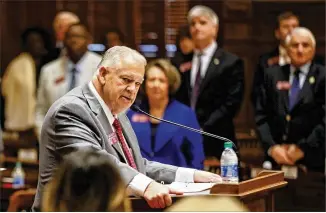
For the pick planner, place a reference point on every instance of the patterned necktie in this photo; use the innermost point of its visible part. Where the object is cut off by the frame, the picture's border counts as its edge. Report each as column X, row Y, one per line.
column 73, row 79
column 123, row 143
column 295, row 89
column 195, row 89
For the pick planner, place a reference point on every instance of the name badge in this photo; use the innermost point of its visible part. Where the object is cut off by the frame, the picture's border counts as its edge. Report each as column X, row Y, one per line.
column 113, row 139
column 290, row 172
column 59, row 80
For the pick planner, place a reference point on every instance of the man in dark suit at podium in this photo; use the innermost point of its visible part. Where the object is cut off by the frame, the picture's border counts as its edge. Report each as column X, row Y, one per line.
column 290, row 110
column 212, row 80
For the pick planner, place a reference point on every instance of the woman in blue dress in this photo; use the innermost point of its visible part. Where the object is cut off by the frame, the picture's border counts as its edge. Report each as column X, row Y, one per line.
column 160, row 141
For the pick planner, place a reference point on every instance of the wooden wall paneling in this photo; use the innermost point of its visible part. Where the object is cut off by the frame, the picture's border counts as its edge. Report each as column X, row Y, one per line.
column 311, row 13
column 136, row 21
column 80, row 8
column 130, row 24
column 91, row 18
column 237, row 18
column 152, row 25
column 11, row 43
column 106, row 16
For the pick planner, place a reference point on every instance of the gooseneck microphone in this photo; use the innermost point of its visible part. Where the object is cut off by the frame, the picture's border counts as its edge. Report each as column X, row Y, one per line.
column 136, row 108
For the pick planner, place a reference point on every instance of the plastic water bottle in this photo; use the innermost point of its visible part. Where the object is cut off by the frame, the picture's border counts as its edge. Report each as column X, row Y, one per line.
column 18, row 176
column 229, row 164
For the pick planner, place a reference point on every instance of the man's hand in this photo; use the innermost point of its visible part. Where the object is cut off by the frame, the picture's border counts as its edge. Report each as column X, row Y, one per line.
column 158, row 195
column 295, row 153
column 280, row 155
column 206, row 177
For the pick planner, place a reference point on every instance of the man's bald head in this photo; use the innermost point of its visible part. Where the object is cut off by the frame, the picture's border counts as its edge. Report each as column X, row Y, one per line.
column 61, row 23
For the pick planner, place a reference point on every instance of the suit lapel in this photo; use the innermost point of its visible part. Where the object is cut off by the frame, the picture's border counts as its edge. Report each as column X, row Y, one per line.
column 101, row 116
column 187, row 74
column 211, row 69
column 285, row 77
column 306, row 88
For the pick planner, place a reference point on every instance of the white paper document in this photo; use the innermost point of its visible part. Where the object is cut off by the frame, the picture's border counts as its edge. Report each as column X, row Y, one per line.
column 191, row 187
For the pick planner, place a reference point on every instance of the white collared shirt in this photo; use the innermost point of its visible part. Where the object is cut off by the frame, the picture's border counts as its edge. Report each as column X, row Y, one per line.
column 283, row 56
column 303, row 74
column 139, row 183
column 79, row 68
column 206, row 57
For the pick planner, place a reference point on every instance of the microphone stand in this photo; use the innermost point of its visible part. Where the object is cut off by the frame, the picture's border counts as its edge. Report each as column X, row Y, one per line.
column 137, row 109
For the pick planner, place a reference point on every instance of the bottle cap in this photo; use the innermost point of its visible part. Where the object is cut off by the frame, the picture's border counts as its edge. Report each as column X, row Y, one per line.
column 228, row 145
column 18, row 165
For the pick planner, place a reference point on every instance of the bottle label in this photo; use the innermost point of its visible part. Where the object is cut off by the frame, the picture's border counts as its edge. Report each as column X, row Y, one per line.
column 18, row 182
column 229, row 170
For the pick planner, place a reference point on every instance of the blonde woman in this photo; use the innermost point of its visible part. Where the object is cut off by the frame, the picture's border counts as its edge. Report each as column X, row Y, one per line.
column 164, row 142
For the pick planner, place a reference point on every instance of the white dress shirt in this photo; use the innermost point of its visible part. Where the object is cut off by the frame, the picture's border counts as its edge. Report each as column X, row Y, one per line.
column 303, row 74
column 55, row 78
column 140, row 182
column 206, row 57
column 283, row 57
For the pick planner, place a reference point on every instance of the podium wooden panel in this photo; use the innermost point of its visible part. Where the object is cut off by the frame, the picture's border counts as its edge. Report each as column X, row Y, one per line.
column 257, row 193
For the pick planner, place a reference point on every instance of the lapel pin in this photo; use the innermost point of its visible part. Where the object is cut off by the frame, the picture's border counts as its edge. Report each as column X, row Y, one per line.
column 216, row 61
column 312, row 80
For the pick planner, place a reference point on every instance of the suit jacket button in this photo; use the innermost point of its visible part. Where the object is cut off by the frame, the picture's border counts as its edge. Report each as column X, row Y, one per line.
column 288, row 118
column 285, row 137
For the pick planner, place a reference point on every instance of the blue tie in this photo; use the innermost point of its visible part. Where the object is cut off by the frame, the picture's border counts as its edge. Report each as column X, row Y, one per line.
column 295, row 89
column 73, row 79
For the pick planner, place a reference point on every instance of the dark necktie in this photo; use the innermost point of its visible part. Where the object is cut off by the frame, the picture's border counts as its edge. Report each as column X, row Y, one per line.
column 73, row 79
column 198, row 79
column 295, row 89
column 123, row 143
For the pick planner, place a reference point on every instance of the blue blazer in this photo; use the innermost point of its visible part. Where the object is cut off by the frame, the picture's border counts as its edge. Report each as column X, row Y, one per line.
column 173, row 145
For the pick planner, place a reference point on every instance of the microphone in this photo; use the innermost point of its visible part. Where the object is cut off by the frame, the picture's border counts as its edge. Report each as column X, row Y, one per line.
column 137, row 109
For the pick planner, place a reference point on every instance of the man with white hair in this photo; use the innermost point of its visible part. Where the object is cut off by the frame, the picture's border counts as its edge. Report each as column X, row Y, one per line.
column 290, row 112
column 212, row 82
column 286, row 22
column 93, row 115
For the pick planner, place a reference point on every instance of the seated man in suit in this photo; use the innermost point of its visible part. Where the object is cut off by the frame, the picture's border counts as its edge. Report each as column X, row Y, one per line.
column 212, row 82
column 93, row 115
column 60, row 76
column 290, row 112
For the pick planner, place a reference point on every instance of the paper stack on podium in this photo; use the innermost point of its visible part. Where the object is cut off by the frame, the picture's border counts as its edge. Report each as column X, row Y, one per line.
column 191, row 187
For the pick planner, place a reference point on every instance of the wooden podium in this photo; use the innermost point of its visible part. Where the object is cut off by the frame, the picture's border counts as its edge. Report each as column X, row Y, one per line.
column 256, row 194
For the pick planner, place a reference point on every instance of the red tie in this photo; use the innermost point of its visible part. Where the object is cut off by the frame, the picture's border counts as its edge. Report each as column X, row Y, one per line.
column 131, row 161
